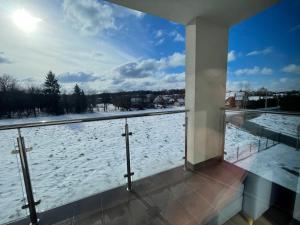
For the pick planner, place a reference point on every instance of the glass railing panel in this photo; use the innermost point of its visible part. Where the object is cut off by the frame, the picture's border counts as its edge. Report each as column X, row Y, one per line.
column 71, row 162
column 157, row 143
column 266, row 144
column 12, row 191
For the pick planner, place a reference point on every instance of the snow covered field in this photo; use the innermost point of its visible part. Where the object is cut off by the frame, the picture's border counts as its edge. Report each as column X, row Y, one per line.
column 279, row 123
column 236, row 138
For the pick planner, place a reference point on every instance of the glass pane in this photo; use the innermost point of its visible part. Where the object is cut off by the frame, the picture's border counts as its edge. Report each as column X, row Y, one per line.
column 157, row 144
column 11, row 180
column 71, row 162
column 266, row 144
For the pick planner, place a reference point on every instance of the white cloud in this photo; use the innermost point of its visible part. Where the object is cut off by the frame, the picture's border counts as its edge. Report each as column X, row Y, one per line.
column 177, row 59
column 254, row 71
column 231, row 56
column 283, row 79
column 158, row 82
column 79, row 77
column 292, row 68
column 174, row 78
column 4, row 59
column 160, row 41
column 237, row 85
column 136, row 13
column 158, row 34
column 92, row 17
column 150, row 67
column 89, row 16
column 265, row 51
column 280, row 84
column 177, row 37
column 266, row 71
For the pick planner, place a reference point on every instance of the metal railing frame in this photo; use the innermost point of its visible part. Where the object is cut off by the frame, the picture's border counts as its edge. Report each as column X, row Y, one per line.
column 31, row 204
column 85, row 120
column 285, row 113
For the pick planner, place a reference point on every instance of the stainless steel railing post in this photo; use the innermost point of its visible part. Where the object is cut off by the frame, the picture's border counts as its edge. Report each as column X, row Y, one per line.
column 185, row 140
column 129, row 173
column 26, row 176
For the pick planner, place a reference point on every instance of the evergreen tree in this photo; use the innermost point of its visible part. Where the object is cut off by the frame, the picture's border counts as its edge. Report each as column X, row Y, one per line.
column 76, row 96
column 83, row 101
column 80, row 102
column 52, row 94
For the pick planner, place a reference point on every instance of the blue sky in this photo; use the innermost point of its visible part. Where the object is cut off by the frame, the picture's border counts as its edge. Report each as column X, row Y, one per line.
column 105, row 47
column 267, row 49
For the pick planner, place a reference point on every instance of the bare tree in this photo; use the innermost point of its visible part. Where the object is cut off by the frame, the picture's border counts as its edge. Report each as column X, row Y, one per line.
column 7, row 83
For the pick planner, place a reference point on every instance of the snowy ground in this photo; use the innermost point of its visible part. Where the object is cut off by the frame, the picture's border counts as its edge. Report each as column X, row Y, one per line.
column 239, row 144
column 237, row 140
column 279, row 123
column 274, row 164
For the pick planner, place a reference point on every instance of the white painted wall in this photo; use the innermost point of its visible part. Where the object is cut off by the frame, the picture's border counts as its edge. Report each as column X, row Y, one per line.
column 206, row 66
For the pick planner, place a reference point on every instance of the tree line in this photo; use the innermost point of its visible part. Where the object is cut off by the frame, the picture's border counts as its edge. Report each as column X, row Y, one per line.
column 17, row 102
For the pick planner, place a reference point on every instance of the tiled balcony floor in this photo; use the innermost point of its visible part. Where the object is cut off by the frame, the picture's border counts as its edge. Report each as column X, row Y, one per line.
column 174, row 197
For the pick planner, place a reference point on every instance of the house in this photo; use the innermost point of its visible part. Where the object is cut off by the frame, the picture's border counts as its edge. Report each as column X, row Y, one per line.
column 179, row 102
column 159, row 100
column 230, row 102
column 241, row 99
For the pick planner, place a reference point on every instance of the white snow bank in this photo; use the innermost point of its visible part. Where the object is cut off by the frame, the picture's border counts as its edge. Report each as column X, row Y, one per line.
column 279, row 123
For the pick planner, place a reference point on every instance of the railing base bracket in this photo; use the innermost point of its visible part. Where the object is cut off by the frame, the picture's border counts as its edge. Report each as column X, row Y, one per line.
column 27, row 206
column 131, row 174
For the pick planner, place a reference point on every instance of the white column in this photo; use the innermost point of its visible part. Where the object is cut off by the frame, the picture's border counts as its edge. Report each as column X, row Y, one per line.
column 206, row 66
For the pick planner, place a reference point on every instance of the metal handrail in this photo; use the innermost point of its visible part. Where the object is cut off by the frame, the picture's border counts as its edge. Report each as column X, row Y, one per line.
column 287, row 113
column 23, row 158
column 84, row 120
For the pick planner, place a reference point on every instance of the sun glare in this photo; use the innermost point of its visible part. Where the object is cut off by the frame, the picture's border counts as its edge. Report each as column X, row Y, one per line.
column 25, row 21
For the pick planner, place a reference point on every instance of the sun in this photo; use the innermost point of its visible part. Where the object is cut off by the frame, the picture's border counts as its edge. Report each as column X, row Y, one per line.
column 25, row 21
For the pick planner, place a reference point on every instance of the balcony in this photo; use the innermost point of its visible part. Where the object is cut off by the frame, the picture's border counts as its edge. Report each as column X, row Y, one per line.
column 221, row 167
column 51, row 181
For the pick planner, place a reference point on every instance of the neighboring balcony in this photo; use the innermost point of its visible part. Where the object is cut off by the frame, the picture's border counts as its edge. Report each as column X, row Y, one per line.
column 77, row 169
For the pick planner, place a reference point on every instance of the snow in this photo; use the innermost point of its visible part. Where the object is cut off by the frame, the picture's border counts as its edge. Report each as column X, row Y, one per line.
column 279, row 123
column 270, row 165
column 70, row 162
column 236, row 138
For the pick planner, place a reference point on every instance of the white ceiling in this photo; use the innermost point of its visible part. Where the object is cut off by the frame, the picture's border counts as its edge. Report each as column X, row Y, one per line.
column 225, row 12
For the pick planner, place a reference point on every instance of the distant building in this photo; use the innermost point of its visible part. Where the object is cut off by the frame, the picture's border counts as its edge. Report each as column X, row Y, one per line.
column 171, row 101
column 149, row 98
column 230, row 102
column 136, row 100
column 241, row 99
column 179, row 102
column 159, row 100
